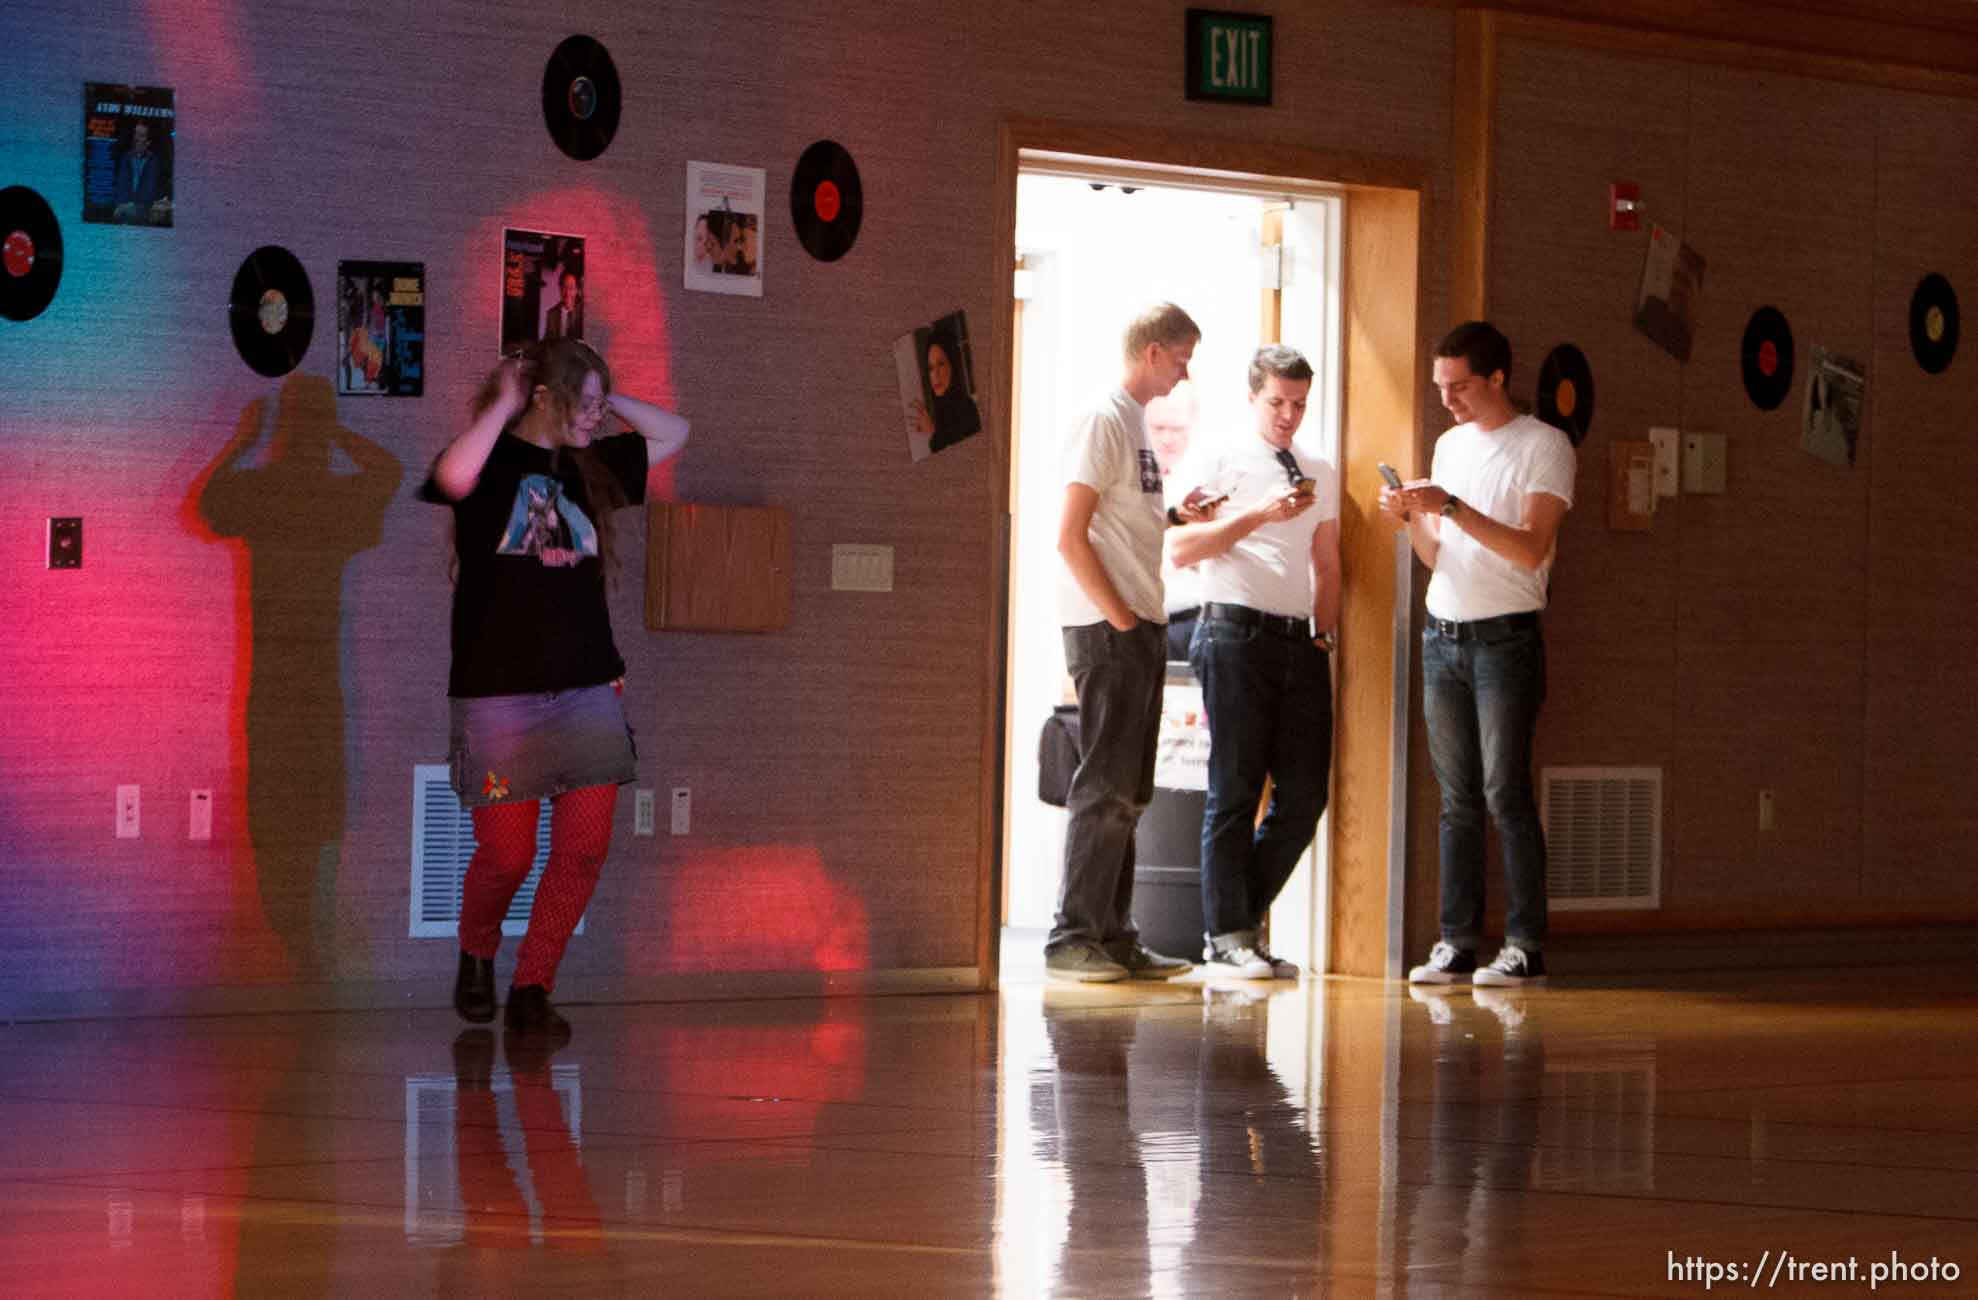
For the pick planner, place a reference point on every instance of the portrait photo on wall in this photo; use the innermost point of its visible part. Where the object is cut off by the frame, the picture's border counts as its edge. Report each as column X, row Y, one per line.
column 724, row 228
column 1671, row 283
column 542, row 286
column 127, row 137
column 381, row 328
column 937, row 385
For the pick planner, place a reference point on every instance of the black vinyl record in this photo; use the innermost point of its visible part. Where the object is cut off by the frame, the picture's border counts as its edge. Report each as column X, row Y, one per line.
column 1933, row 323
column 826, row 201
column 30, row 253
column 1767, row 358
column 272, row 310
column 580, row 98
column 1565, row 391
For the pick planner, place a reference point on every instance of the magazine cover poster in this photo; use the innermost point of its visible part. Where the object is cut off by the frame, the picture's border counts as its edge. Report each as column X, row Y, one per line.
column 127, row 138
column 542, row 287
column 936, row 375
column 381, row 328
column 724, row 228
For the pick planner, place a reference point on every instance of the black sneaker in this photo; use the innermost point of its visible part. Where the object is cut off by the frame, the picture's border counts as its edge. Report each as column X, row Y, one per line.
column 1447, row 964
column 529, row 1012
column 1513, row 966
column 473, row 989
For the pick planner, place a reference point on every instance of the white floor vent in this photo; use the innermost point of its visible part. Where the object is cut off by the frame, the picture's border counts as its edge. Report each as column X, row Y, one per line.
column 1603, row 837
column 442, row 846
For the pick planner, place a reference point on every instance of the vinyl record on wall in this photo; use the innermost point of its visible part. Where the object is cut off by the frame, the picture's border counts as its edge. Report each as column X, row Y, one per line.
column 272, row 311
column 1933, row 323
column 30, row 253
column 826, row 201
column 1767, row 358
column 1565, row 391
column 580, row 98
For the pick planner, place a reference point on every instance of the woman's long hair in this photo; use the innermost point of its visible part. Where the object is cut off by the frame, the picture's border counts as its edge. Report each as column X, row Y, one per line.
column 560, row 366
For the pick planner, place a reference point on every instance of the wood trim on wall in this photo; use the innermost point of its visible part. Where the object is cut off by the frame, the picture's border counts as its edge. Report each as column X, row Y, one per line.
column 1917, row 45
column 1381, row 383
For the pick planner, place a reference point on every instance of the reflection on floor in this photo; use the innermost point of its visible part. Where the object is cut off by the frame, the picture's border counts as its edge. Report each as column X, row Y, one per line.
column 1200, row 1139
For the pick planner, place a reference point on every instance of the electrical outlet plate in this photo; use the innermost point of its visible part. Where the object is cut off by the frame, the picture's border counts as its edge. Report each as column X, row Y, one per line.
column 128, row 823
column 861, row 568
column 683, row 810
column 1666, row 478
column 64, row 542
column 642, row 813
column 199, row 816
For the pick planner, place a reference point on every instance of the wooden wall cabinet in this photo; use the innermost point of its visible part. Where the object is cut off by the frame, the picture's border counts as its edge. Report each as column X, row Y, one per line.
column 717, row 568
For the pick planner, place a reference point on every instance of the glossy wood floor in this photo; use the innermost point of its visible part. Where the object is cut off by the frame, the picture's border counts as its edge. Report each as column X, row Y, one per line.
column 1332, row 1138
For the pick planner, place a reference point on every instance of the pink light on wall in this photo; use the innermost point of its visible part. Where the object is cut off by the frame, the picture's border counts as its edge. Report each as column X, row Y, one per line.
column 774, row 903
column 201, row 48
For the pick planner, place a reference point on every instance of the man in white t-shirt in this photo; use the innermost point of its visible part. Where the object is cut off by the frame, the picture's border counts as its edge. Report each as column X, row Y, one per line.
column 1486, row 522
column 1268, row 567
column 1111, row 608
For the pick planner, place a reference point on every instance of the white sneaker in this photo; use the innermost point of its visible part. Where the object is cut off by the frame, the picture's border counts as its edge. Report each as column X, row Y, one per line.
column 1280, row 968
column 1511, row 967
column 1447, row 964
column 1239, row 961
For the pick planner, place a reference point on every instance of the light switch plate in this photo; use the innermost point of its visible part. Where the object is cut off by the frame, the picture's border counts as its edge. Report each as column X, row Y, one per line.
column 1666, row 478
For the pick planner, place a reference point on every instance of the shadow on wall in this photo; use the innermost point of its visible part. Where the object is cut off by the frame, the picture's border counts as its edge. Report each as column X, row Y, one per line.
column 314, row 498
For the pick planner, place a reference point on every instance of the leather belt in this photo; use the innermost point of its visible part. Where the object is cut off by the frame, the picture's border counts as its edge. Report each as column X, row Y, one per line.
column 1476, row 627
column 1282, row 624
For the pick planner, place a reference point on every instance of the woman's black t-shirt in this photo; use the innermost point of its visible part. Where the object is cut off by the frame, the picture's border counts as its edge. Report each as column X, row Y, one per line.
column 529, row 611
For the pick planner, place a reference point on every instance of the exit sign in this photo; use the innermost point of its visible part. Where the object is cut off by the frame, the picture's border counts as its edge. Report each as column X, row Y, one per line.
column 1229, row 56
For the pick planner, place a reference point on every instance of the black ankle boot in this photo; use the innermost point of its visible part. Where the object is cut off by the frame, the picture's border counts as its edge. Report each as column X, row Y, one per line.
column 473, row 989
column 529, row 1012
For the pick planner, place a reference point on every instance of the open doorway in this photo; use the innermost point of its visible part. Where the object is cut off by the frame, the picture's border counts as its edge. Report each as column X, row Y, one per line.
column 1253, row 261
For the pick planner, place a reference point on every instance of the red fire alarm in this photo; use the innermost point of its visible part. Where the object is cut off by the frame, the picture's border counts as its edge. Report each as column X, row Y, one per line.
column 1624, row 206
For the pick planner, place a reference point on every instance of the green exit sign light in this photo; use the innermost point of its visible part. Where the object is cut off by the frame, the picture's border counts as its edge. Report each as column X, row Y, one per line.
column 1229, row 56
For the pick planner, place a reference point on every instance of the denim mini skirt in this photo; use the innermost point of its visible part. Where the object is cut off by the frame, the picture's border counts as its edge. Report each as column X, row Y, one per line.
column 504, row 748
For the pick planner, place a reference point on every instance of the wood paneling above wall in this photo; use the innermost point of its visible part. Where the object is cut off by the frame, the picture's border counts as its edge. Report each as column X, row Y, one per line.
column 1928, row 45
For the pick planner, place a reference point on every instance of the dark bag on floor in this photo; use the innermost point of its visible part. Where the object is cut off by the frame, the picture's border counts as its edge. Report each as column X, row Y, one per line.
column 1057, row 755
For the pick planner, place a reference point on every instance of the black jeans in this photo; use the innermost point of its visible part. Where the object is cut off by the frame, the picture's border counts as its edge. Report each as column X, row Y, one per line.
column 1269, row 700
column 1119, row 676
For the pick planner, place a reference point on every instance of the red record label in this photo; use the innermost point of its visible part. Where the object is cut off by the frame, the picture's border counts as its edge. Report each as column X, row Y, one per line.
column 826, row 201
column 1768, row 358
column 18, row 253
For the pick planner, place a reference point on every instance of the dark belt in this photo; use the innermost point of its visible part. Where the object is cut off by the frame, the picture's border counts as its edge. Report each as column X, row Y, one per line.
column 1188, row 615
column 1282, row 624
column 1480, row 627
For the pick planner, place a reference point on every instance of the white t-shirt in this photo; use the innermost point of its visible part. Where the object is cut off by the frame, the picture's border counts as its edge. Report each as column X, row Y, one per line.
column 1493, row 473
column 1271, row 568
column 1107, row 450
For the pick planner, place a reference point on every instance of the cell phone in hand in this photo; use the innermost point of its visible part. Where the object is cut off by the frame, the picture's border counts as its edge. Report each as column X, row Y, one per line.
column 1388, row 475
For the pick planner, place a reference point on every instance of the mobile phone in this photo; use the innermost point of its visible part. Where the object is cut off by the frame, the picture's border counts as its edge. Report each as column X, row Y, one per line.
column 1388, row 475
column 1304, row 487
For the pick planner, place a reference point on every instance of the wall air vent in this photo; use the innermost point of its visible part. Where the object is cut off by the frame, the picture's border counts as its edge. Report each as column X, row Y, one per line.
column 442, row 845
column 1603, row 837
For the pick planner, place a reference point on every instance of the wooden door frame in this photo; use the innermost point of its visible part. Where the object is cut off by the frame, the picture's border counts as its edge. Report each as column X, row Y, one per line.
column 1382, row 379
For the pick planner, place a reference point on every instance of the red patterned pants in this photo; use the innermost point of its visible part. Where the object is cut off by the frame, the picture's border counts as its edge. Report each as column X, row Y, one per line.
column 505, row 847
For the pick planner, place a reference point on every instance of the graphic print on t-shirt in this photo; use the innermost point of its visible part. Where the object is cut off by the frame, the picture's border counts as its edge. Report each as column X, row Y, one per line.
column 547, row 524
column 1150, row 471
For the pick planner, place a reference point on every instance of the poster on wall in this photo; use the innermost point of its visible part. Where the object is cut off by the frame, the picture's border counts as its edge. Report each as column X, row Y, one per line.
column 381, row 328
column 724, row 228
column 1671, row 280
column 127, row 138
column 936, row 374
column 542, row 287
column 1830, row 418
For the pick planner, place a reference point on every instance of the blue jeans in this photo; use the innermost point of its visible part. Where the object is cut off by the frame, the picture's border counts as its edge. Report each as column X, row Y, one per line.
column 1481, row 691
column 1119, row 676
column 1269, row 699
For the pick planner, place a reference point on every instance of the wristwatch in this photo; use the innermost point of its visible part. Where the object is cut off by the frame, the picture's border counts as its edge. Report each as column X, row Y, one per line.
column 1449, row 505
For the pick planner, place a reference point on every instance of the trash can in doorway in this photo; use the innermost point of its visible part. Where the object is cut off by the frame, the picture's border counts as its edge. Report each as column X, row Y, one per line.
column 1167, row 846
